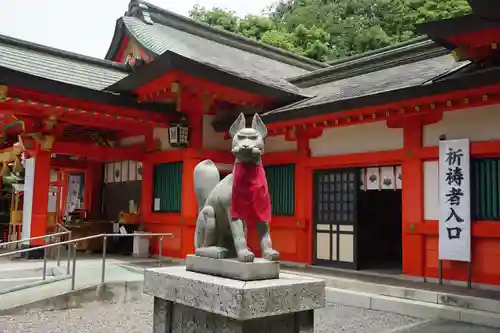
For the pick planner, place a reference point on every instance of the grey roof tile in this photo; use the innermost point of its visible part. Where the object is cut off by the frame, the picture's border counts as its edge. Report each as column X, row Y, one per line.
column 159, row 38
column 58, row 65
column 398, row 77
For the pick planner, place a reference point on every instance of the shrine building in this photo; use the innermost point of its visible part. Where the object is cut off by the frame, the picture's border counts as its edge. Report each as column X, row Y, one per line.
column 351, row 157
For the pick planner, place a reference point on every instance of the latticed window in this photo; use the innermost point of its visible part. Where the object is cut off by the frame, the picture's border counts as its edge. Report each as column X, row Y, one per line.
column 167, row 187
column 281, row 182
column 485, row 189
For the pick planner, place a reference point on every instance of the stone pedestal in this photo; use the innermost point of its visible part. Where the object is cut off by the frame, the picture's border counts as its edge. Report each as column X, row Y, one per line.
column 260, row 269
column 190, row 302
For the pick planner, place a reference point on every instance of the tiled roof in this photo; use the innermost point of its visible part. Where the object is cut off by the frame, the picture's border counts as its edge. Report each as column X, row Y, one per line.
column 57, row 65
column 159, row 39
column 377, row 82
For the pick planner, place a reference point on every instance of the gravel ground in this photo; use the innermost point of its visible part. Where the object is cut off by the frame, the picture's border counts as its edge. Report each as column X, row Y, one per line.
column 445, row 326
column 137, row 318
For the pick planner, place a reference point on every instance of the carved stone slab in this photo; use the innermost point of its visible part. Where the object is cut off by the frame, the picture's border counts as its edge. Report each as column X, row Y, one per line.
column 260, row 269
column 235, row 299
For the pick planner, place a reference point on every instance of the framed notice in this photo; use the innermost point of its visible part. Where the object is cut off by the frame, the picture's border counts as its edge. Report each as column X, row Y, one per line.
column 454, row 200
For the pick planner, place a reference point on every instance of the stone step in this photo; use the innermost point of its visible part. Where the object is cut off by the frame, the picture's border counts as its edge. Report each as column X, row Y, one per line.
column 443, row 298
column 408, row 307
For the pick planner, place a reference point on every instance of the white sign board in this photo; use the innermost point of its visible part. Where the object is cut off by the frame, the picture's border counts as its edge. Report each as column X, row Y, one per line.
column 29, row 183
column 454, row 200
column 156, row 204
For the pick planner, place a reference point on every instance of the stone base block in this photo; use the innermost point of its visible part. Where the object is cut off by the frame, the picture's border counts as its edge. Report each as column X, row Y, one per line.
column 260, row 269
column 190, row 302
column 171, row 317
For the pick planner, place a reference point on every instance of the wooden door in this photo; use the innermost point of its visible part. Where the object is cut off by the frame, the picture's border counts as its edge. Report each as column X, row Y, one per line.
column 335, row 217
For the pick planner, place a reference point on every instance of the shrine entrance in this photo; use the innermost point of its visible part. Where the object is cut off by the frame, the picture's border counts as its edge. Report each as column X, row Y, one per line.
column 380, row 219
column 335, row 217
column 358, row 218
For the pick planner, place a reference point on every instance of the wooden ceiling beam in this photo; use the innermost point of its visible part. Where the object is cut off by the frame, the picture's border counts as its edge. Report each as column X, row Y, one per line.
column 134, row 153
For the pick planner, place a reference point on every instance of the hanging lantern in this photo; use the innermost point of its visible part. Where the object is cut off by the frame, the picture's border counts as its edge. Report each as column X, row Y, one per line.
column 178, row 133
column 5, row 170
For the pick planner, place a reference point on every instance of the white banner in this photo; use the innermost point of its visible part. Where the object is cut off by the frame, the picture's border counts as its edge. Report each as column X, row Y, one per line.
column 454, row 200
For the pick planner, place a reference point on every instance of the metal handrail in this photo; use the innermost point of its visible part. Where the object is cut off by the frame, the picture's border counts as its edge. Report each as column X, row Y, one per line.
column 62, row 227
column 34, row 238
column 73, row 243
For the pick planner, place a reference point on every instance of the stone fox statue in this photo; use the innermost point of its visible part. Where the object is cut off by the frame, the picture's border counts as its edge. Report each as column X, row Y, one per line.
column 241, row 200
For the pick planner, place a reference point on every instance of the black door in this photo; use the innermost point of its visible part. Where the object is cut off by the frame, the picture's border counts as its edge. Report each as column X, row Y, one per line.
column 335, row 217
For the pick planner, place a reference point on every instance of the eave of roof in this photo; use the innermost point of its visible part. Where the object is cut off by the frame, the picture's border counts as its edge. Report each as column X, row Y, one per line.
column 146, row 11
column 170, row 61
column 58, row 65
column 63, row 54
column 404, row 53
column 466, row 81
column 38, row 84
column 438, row 31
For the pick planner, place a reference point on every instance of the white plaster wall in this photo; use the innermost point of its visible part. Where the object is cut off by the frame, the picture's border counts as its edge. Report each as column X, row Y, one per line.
column 130, row 141
column 278, row 143
column 357, row 139
column 477, row 124
column 161, row 134
column 211, row 139
column 431, row 194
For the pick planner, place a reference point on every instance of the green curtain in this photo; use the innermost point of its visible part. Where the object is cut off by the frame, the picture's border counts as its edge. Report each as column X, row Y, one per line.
column 281, row 182
column 167, row 186
column 485, row 189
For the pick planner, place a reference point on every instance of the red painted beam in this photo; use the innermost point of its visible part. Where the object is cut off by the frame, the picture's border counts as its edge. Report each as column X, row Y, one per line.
column 436, row 104
column 159, row 89
column 60, row 104
column 59, row 163
column 82, row 118
column 99, row 153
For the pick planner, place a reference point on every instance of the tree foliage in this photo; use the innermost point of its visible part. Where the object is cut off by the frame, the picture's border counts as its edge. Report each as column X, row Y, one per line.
column 330, row 29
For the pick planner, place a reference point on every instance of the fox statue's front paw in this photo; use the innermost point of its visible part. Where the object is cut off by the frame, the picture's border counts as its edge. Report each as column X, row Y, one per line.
column 246, row 255
column 271, row 255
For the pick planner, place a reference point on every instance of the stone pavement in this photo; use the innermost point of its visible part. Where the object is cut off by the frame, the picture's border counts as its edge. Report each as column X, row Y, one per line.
column 136, row 317
column 88, row 273
column 442, row 326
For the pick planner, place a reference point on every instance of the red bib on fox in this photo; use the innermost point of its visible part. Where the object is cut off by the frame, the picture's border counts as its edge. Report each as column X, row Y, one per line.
column 250, row 197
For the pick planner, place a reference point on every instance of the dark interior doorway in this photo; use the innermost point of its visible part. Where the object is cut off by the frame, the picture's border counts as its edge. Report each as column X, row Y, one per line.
column 379, row 230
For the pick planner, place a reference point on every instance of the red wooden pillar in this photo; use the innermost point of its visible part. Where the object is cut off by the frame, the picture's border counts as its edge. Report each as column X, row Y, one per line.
column 92, row 190
column 303, row 191
column 193, row 108
column 412, row 199
column 40, row 199
column 146, row 190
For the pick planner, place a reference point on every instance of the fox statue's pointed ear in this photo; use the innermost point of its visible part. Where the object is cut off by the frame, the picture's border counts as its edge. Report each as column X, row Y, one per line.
column 238, row 124
column 258, row 125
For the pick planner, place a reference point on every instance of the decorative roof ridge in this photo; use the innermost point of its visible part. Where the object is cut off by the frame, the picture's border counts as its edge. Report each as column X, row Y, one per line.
column 62, row 53
column 148, row 12
column 417, row 49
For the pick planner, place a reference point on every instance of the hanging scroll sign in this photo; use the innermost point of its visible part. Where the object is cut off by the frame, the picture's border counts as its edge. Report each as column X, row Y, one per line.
column 454, row 200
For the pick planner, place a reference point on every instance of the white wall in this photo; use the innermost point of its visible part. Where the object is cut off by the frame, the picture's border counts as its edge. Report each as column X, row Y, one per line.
column 161, row 134
column 357, row 139
column 477, row 124
column 211, row 139
column 132, row 140
column 275, row 144
column 431, row 194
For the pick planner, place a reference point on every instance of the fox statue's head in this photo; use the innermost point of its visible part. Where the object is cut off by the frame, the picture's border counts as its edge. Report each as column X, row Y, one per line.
column 248, row 143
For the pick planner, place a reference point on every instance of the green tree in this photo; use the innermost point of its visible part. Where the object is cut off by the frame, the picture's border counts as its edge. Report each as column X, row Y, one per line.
column 331, row 29
column 217, row 17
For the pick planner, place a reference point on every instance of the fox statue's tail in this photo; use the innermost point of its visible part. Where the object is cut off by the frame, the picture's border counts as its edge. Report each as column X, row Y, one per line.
column 206, row 177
